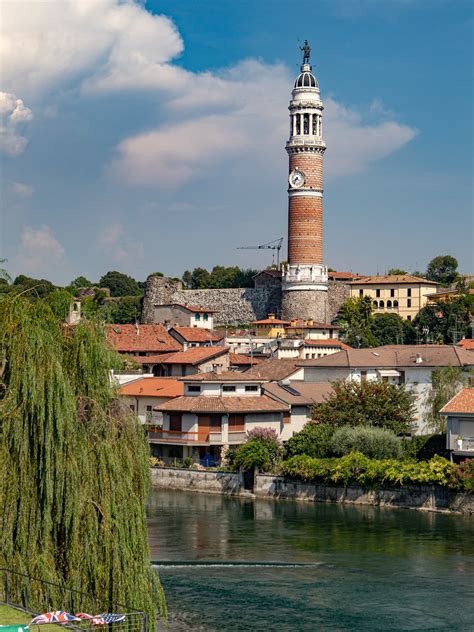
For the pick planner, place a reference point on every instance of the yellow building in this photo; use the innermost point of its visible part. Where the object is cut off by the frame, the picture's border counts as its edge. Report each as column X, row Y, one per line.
column 404, row 294
column 270, row 327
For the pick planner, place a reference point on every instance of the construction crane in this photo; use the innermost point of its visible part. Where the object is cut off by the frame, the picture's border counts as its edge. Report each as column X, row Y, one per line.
column 271, row 245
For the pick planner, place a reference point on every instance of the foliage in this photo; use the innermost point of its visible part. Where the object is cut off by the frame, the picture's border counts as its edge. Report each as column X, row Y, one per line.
column 4, row 276
column 262, row 449
column 445, row 321
column 425, row 447
column 376, row 443
column 79, row 282
column 465, row 473
column 126, row 309
column 357, row 468
column 39, row 287
column 445, row 383
column 397, row 272
column 219, row 277
column 120, row 284
column 355, row 319
column 368, row 403
column 188, row 462
column 388, row 329
column 75, row 470
column 442, row 269
column 313, row 440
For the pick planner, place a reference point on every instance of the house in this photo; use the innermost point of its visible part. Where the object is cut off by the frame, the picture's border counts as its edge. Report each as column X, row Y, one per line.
column 459, row 412
column 274, row 370
column 242, row 361
column 144, row 393
column 174, row 314
column 343, row 277
column 398, row 294
column 268, row 278
column 300, row 398
column 312, row 329
column 193, row 360
column 215, row 412
column 246, row 342
column 314, row 348
column 446, row 294
column 196, row 337
column 412, row 365
column 141, row 341
column 270, row 327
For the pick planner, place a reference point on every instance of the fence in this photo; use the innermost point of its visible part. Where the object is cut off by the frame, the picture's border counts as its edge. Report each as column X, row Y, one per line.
column 38, row 596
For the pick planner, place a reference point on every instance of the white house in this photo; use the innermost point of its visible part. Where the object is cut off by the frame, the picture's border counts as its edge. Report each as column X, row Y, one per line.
column 459, row 412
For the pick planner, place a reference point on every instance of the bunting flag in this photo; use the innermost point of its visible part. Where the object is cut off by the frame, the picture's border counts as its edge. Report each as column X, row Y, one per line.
column 101, row 619
column 93, row 620
column 110, row 617
column 58, row 616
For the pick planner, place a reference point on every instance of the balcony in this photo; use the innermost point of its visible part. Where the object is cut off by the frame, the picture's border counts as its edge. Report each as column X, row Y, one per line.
column 463, row 444
column 237, row 437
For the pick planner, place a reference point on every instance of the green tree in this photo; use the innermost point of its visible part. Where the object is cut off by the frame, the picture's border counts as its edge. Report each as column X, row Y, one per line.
column 75, row 471
column 3, row 272
column 442, row 269
column 445, row 383
column 80, row 281
column 313, row 440
column 38, row 287
column 126, row 309
column 368, row 403
column 355, row 318
column 445, row 321
column 397, row 272
column 388, row 329
column 120, row 284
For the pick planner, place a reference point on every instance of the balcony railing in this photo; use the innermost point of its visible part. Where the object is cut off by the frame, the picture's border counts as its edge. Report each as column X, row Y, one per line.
column 465, row 444
column 215, row 437
column 173, row 436
column 237, row 437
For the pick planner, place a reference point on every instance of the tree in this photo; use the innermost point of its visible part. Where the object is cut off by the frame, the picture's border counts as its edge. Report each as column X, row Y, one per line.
column 389, row 329
column 443, row 270
column 262, row 449
column 3, row 272
column 219, row 277
column 445, row 321
column 126, row 309
column 80, row 281
column 39, row 287
column 445, row 383
column 120, row 284
column 368, row 403
column 75, row 470
column 313, row 440
column 397, row 271
column 355, row 318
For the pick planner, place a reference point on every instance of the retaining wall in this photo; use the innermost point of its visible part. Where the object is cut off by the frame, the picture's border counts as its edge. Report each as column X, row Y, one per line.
column 424, row 497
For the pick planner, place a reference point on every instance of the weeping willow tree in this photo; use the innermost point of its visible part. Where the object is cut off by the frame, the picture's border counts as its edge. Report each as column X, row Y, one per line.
column 74, row 471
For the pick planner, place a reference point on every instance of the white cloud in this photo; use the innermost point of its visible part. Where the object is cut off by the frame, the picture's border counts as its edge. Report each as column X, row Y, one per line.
column 118, row 245
column 39, row 252
column 14, row 115
column 21, row 189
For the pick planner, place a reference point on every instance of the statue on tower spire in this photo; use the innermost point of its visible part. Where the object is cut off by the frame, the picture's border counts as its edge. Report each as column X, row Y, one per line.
column 306, row 50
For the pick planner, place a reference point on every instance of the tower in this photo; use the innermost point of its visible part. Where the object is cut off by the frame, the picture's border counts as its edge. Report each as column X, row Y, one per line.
column 305, row 277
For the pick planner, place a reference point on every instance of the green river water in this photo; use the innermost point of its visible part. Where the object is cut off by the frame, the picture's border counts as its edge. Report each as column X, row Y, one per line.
column 369, row 568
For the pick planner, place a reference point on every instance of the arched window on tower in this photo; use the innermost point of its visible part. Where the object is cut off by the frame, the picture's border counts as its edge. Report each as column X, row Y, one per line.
column 306, row 123
column 298, row 131
column 315, row 124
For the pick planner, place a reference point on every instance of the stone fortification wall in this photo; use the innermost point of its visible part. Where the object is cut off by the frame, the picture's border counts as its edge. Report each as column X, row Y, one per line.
column 233, row 305
column 338, row 293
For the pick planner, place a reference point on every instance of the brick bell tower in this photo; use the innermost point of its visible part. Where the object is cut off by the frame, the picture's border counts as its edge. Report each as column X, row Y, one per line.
column 305, row 277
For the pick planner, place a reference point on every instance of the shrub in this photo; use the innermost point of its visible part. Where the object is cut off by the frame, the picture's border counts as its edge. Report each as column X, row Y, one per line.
column 357, row 468
column 425, row 447
column 188, row 462
column 252, row 454
column 376, row 443
column 313, row 440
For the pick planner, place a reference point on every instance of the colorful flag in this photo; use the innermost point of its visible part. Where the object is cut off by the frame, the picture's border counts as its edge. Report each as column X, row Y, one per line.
column 57, row 616
column 93, row 620
column 110, row 617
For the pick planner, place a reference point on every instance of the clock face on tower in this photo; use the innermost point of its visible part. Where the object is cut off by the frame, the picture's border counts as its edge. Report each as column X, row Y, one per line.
column 296, row 179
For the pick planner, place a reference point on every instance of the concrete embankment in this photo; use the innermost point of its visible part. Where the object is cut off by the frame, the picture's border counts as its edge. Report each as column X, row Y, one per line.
column 422, row 497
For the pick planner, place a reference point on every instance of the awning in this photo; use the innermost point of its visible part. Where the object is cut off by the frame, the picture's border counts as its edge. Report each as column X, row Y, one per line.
column 388, row 373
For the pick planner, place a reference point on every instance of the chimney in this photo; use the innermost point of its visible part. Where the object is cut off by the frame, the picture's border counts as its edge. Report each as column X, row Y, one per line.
column 418, row 359
column 137, row 328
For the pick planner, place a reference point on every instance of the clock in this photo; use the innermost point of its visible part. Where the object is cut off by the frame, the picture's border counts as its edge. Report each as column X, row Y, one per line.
column 296, row 179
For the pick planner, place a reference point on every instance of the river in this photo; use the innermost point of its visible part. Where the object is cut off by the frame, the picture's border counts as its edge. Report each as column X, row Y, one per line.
column 370, row 569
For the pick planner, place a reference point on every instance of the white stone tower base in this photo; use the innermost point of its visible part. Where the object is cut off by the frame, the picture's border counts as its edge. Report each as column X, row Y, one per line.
column 305, row 292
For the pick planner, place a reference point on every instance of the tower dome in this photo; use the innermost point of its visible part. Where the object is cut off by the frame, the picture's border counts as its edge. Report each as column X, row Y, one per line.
column 306, row 79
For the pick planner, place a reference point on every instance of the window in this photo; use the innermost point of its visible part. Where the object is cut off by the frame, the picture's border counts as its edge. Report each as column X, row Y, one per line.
column 197, row 316
column 149, row 409
column 395, row 303
column 408, row 302
column 132, row 407
column 363, row 376
column 361, row 292
column 409, row 291
column 175, row 422
column 381, row 304
column 306, row 123
column 228, row 389
column 392, row 292
column 389, row 304
column 315, row 124
column 194, row 388
column 375, row 304
column 401, row 378
column 377, row 293
column 297, row 124
column 205, row 316
column 408, row 317
column 251, row 388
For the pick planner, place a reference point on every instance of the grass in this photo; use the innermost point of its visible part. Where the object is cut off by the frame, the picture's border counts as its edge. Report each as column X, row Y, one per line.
column 12, row 616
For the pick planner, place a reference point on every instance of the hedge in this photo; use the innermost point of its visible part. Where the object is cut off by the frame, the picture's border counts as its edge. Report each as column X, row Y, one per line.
column 357, row 468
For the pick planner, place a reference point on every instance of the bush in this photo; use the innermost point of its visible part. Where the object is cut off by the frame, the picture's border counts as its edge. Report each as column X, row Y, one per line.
column 313, row 440
column 376, row 443
column 188, row 462
column 357, row 468
column 465, row 472
column 425, row 447
column 252, row 454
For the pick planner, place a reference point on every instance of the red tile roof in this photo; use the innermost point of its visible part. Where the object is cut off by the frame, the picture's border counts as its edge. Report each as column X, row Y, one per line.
column 273, row 369
column 392, row 278
column 225, row 376
column 467, row 343
column 344, row 275
column 462, row 403
column 153, row 387
column 306, row 324
column 239, row 359
column 228, row 404
column 270, row 321
column 195, row 355
column 330, row 342
column 130, row 338
column 197, row 334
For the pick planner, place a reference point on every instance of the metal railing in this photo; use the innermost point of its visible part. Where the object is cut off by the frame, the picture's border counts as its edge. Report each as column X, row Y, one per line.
column 38, row 596
column 466, row 444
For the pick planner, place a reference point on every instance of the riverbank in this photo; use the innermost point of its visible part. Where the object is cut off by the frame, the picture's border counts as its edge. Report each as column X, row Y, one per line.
column 420, row 497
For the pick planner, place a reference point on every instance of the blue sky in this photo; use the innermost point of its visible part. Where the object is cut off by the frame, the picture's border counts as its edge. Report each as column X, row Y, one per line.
column 150, row 136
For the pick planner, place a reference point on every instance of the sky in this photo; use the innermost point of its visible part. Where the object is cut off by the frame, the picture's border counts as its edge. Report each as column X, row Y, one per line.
column 150, row 136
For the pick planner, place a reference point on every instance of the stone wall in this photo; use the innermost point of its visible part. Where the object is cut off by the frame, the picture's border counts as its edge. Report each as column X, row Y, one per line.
column 243, row 305
column 306, row 304
column 194, row 480
column 232, row 305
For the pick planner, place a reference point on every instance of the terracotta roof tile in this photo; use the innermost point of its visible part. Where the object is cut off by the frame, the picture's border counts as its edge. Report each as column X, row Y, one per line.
column 225, row 376
column 130, row 338
column 271, row 321
column 330, row 342
column 153, row 387
column 273, row 369
column 462, row 403
column 344, row 275
column 393, row 278
column 195, row 355
column 197, row 334
column 306, row 324
column 228, row 404
column 239, row 359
